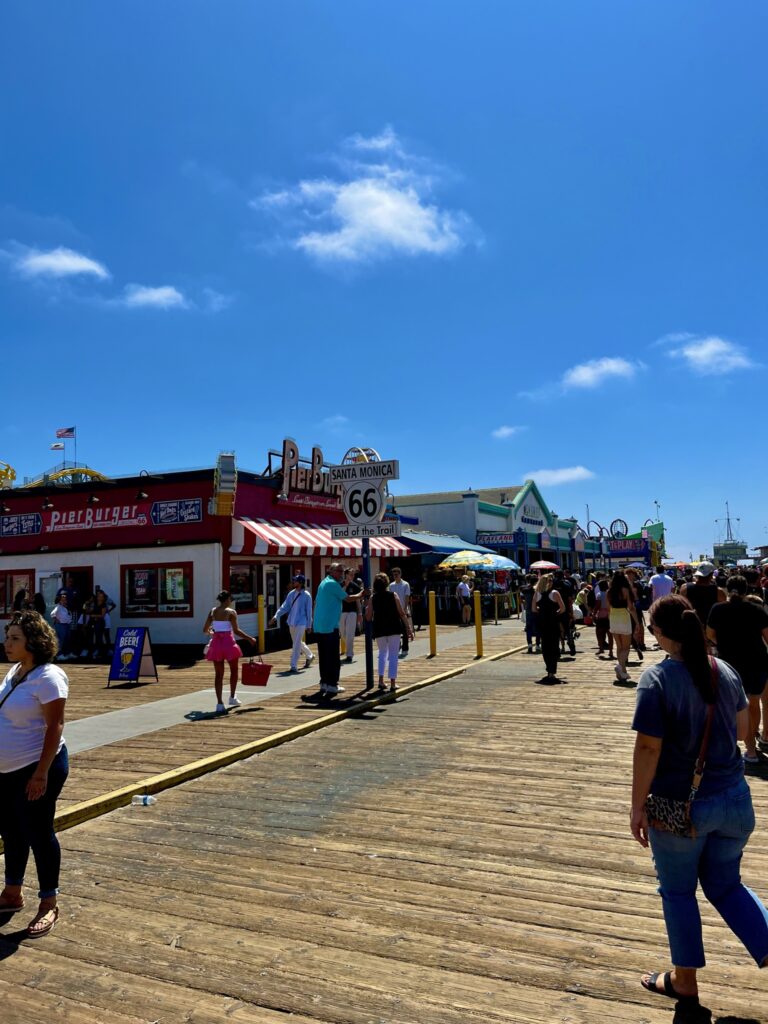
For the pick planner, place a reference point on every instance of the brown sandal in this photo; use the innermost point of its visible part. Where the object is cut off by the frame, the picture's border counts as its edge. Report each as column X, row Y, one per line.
column 11, row 908
column 47, row 919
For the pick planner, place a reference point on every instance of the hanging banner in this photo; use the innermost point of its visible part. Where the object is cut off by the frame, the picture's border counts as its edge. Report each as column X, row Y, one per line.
column 132, row 659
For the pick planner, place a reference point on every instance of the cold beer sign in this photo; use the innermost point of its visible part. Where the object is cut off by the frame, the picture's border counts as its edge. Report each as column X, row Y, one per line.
column 132, row 658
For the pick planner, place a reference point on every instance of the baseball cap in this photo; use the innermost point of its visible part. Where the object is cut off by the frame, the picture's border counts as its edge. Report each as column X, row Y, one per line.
column 298, row 578
column 705, row 569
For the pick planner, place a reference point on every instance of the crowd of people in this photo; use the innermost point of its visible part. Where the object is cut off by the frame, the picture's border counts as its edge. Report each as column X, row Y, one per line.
column 337, row 614
column 82, row 623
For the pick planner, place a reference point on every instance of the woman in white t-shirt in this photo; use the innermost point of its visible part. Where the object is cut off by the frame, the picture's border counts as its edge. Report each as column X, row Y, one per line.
column 62, row 622
column 33, row 765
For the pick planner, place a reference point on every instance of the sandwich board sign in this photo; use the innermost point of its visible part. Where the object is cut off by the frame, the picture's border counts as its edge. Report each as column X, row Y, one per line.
column 132, row 658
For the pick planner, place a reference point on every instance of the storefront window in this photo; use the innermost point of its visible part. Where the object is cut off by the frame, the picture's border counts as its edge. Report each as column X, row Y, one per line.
column 11, row 582
column 157, row 589
column 243, row 586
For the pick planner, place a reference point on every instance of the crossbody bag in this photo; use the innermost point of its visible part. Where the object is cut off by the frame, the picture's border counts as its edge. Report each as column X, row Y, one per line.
column 15, row 685
column 674, row 816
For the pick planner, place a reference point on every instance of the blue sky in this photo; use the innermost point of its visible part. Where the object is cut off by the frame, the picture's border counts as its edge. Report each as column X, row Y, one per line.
column 488, row 240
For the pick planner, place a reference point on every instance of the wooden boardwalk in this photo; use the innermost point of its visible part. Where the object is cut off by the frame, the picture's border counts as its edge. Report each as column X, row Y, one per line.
column 110, row 767
column 89, row 694
column 461, row 856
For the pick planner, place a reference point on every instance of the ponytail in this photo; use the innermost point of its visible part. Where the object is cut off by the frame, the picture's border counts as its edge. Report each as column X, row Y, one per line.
column 677, row 620
column 694, row 654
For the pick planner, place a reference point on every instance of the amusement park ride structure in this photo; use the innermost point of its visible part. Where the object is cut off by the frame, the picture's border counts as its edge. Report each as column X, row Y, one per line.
column 64, row 474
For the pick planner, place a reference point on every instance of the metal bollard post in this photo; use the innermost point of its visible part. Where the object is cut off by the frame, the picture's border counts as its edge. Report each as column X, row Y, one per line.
column 479, row 623
column 495, row 609
column 432, row 624
column 260, row 620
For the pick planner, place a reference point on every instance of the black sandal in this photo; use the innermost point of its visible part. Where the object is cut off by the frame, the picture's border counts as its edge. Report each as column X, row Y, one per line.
column 669, row 988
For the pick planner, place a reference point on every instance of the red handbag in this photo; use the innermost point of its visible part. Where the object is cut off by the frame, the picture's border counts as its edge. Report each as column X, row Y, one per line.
column 255, row 673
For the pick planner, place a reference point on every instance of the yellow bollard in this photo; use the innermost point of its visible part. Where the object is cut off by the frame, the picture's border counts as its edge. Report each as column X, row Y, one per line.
column 478, row 623
column 260, row 620
column 432, row 624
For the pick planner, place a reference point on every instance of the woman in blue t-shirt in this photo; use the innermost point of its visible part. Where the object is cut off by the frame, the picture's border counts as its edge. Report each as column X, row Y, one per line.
column 673, row 698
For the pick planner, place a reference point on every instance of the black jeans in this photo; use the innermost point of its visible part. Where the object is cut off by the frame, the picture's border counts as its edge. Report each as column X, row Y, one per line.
column 550, row 646
column 404, row 634
column 328, row 654
column 28, row 825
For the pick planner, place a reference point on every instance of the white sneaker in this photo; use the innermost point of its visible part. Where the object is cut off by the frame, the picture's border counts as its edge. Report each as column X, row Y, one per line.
column 234, row 702
column 220, row 709
column 333, row 690
column 309, row 660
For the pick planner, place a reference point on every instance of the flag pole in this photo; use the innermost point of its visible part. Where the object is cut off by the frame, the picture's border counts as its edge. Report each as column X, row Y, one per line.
column 75, row 433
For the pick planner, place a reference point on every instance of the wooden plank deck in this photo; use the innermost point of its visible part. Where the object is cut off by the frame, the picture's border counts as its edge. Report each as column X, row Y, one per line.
column 459, row 856
column 110, row 767
column 89, row 694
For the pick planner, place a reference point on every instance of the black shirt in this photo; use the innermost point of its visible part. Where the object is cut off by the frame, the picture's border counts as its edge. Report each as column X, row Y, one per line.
column 739, row 626
column 353, row 587
column 703, row 597
column 386, row 618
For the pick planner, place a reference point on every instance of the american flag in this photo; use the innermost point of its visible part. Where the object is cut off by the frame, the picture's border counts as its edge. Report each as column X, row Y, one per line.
column 65, row 432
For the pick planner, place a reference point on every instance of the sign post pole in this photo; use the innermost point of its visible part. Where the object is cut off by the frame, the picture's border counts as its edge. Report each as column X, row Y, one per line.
column 364, row 502
column 368, row 626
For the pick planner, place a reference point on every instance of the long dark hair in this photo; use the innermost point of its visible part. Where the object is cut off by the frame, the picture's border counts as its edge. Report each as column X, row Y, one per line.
column 618, row 584
column 675, row 618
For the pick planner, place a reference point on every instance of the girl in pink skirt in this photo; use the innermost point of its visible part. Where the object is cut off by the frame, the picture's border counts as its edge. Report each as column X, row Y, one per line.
column 221, row 625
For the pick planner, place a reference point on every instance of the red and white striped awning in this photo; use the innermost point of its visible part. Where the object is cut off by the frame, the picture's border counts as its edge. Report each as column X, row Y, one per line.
column 269, row 537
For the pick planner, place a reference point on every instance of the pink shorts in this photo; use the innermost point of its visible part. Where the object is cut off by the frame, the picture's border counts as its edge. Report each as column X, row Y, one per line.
column 223, row 647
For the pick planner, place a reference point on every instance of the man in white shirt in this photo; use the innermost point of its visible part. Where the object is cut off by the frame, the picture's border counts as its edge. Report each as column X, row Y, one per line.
column 402, row 588
column 661, row 584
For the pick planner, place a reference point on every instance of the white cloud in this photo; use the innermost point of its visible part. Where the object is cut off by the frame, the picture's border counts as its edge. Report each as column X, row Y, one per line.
column 386, row 140
column 674, row 336
column 215, row 302
column 553, row 477
column 334, row 422
column 60, row 262
column 596, row 371
column 504, row 432
column 381, row 206
column 711, row 356
column 138, row 296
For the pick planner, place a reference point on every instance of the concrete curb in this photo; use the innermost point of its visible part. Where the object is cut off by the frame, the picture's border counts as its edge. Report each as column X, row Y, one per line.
column 97, row 806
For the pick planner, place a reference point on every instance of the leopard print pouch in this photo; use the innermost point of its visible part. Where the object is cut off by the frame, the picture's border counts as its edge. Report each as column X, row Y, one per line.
column 670, row 815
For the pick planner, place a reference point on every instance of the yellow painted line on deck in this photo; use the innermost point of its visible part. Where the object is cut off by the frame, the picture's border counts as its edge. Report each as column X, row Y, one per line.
column 99, row 805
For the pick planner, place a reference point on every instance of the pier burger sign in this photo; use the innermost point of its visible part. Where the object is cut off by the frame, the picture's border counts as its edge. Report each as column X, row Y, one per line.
column 308, row 481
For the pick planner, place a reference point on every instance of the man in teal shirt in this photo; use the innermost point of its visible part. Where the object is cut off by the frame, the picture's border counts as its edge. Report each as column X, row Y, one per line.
column 328, row 600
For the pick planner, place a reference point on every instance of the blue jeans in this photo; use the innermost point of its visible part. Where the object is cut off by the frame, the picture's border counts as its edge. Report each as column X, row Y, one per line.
column 62, row 635
column 28, row 825
column 531, row 627
column 723, row 824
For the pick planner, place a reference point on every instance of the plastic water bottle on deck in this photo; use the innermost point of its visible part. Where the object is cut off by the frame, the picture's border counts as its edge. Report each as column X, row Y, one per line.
column 143, row 800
